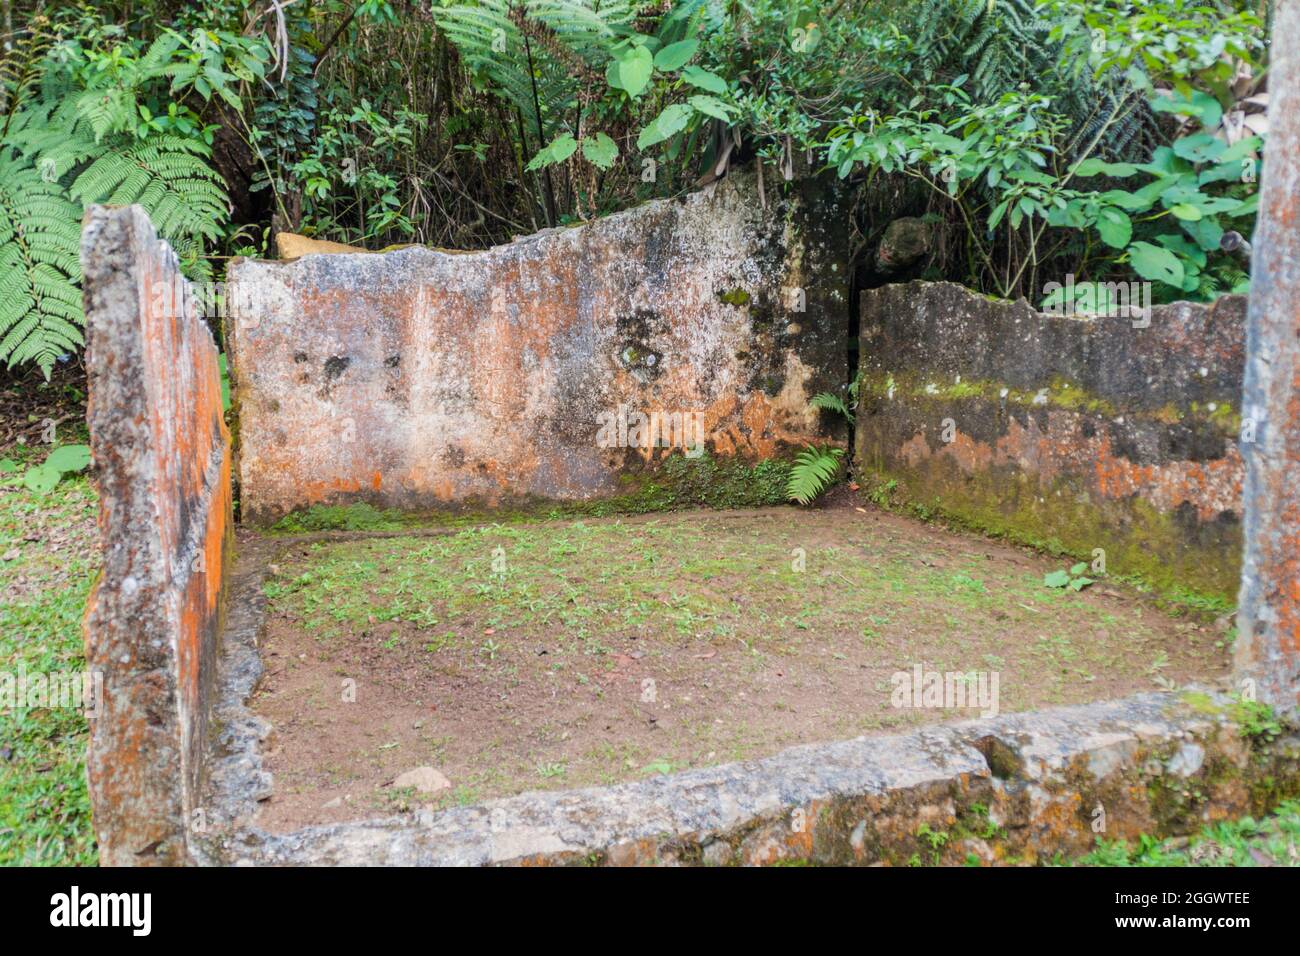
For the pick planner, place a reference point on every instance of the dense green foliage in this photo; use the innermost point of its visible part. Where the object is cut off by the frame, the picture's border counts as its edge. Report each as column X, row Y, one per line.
column 1040, row 138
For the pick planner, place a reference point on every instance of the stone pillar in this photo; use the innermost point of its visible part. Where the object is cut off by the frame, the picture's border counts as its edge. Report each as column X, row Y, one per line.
column 161, row 458
column 1268, row 646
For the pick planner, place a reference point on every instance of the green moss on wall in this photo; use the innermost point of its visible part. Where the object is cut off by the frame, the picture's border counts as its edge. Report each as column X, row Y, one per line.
column 675, row 482
column 1140, row 542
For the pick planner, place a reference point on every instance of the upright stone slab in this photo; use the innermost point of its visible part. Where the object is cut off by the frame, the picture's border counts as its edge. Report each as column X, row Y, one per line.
column 1109, row 433
column 418, row 377
column 161, row 456
column 1268, row 648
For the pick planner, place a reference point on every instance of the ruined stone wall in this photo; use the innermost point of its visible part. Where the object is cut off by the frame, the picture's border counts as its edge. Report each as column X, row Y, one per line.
column 161, row 458
column 1057, row 430
column 419, row 378
column 1268, row 650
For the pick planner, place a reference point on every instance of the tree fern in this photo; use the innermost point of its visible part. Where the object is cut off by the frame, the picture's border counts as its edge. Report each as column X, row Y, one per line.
column 40, row 304
column 501, row 41
column 812, row 472
column 1001, row 44
column 65, row 146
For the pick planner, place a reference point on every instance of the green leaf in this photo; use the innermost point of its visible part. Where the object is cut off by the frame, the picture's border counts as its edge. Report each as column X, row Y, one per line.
column 1201, row 148
column 1131, row 202
column 1078, row 584
column 1186, row 211
column 1156, row 264
column 1115, row 227
column 1207, row 233
column 557, row 151
column 1201, row 105
column 1095, row 167
column 1079, row 568
column 1185, row 250
column 711, row 106
column 668, row 123
column 1248, row 207
column 704, row 80
column 675, row 55
column 8, row 466
column 600, row 150
column 1057, row 579
column 69, row 458
column 630, row 70
column 41, row 479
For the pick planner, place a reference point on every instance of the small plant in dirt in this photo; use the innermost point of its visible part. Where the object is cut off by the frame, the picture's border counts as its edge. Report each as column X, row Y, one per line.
column 1257, row 720
column 882, row 492
column 1074, row 578
column 813, row 471
column 1273, row 841
column 937, row 839
column 63, row 460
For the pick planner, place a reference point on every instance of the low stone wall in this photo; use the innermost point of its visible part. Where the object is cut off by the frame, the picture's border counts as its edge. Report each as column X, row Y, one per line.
column 1019, row 788
column 1078, row 433
column 161, row 458
column 418, row 378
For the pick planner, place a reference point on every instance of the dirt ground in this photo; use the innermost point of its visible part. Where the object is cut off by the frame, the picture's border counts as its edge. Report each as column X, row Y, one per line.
column 577, row 653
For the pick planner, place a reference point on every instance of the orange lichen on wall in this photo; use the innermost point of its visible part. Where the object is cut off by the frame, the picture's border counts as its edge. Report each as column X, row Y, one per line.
column 1212, row 487
column 486, row 376
column 162, row 461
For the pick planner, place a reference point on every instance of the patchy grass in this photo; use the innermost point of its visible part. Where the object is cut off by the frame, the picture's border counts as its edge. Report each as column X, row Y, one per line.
column 48, row 561
column 585, row 610
column 1274, row 841
column 571, row 653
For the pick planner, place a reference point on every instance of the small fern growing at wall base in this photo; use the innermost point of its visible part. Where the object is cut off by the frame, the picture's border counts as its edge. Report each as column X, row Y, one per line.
column 812, row 472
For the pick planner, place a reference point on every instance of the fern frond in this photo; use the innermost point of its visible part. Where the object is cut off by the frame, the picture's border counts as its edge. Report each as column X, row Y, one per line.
column 20, row 68
column 40, row 304
column 565, row 38
column 831, row 403
column 1001, row 45
column 812, row 472
column 168, row 175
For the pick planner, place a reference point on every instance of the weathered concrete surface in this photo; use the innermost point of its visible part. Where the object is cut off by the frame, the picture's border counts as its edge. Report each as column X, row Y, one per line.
column 418, row 378
column 1017, row 788
column 161, row 457
column 1083, row 432
column 1268, row 648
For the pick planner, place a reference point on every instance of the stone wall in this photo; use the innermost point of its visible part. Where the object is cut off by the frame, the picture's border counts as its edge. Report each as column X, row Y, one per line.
column 1011, row 790
column 161, row 457
column 1080, row 433
column 1268, row 650
column 419, row 378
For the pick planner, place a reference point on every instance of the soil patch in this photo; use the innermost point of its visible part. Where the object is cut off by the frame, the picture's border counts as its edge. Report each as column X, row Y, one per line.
column 564, row 654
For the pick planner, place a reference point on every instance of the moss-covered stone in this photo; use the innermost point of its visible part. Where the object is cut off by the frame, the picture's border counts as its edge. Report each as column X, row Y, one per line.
column 675, row 482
